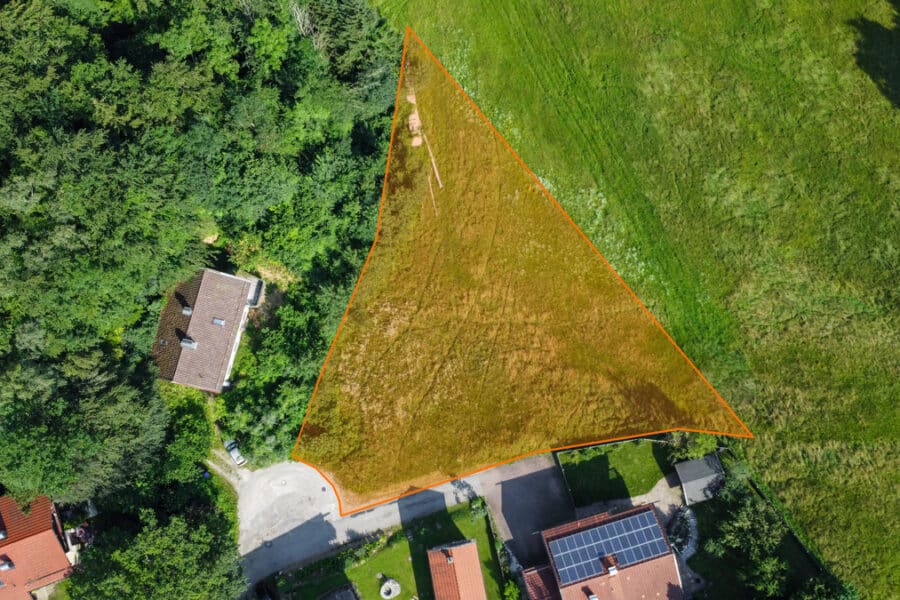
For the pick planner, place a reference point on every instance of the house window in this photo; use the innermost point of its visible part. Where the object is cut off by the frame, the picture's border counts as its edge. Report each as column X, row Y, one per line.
column 219, row 321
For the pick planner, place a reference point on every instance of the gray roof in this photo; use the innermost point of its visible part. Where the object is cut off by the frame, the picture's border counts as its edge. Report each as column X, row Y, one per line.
column 699, row 478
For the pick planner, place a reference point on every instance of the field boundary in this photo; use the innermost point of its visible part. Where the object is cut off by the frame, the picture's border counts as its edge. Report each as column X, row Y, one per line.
column 410, row 34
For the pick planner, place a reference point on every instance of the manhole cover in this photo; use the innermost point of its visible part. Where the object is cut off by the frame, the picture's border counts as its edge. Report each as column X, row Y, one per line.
column 390, row 589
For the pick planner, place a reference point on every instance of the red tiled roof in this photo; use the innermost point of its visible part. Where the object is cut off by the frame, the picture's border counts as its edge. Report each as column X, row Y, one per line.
column 654, row 579
column 19, row 525
column 33, row 546
column 456, row 572
column 540, row 583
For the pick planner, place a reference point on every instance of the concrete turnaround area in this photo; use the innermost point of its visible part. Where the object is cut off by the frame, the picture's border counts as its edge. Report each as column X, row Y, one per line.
column 485, row 326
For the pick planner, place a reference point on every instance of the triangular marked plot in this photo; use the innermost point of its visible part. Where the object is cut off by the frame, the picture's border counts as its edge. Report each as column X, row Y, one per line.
column 484, row 326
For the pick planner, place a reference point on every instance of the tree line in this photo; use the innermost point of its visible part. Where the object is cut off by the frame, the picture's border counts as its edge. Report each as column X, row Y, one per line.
column 128, row 132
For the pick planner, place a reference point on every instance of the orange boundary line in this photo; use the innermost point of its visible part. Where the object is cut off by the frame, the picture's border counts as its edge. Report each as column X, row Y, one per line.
column 749, row 434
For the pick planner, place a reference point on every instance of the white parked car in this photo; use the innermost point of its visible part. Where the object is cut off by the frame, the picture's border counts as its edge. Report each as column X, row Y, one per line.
column 236, row 456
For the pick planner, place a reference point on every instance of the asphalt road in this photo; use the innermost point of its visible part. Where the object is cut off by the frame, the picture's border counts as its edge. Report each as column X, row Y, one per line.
column 289, row 516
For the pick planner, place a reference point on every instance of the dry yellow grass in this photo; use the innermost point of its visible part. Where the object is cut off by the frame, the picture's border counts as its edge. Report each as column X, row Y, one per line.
column 484, row 326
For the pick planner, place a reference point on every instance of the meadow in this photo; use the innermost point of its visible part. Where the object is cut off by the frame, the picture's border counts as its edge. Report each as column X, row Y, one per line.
column 737, row 163
column 484, row 327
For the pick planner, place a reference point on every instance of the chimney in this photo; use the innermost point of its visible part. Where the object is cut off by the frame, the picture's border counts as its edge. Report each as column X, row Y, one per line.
column 592, row 597
column 450, row 559
column 613, row 570
column 187, row 310
column 187, row 342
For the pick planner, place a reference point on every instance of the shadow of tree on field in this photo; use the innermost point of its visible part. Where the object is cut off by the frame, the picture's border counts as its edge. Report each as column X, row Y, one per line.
column 593, row 479
column 878, row 53
column 661, row 455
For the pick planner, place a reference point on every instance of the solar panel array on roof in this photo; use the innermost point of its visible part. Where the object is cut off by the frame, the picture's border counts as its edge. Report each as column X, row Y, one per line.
column 633, row 539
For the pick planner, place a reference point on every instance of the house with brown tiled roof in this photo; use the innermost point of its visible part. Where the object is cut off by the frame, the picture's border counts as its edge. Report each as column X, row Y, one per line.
column 32, row 548
column 200, row 329
column 456, row 572
column 625, row 556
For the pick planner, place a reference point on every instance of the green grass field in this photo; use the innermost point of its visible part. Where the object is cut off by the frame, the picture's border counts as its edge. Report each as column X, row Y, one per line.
column 404, row 560
column 740, row 169
column 484, row 327
column 613, row 470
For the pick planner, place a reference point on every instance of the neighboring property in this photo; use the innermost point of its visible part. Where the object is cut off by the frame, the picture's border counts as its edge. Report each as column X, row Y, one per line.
column 609, row 557
column 700, row 478
column 456, row 572
column 201, row 326
column 32, row 548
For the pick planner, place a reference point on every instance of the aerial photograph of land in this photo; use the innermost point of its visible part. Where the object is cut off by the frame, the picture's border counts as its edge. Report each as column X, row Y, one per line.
column 405, row 299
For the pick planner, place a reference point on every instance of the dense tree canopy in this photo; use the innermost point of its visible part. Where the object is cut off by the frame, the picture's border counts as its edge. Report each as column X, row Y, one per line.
column 129, row 133
column 164, row 561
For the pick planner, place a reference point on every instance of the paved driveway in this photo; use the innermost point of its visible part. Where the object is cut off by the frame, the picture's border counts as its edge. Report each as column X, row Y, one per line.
column 525, row 498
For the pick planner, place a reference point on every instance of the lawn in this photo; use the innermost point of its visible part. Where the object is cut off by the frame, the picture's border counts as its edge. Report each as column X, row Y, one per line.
column 484, row 326
column 402, row 559
column 738, row 165
column 61, row 591
column 613, row 471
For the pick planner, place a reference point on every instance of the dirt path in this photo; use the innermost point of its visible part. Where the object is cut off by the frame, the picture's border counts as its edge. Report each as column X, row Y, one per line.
column 220, row 463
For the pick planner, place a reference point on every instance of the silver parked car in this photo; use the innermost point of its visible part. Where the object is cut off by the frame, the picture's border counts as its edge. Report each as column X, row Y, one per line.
column 236, row 456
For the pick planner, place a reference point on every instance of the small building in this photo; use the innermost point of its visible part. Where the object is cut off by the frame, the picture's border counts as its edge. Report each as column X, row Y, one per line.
column 456, row 572
column 609, row 557
column 700, row 478
column 32, row 548
column 200, row 329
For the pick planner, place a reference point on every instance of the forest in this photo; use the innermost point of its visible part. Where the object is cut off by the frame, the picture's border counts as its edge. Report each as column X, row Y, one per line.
column 130, row 132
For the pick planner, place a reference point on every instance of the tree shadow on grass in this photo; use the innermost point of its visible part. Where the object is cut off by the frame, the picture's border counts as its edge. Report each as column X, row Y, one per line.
column 661, row 456
column 593, row 480
column 878, row 53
